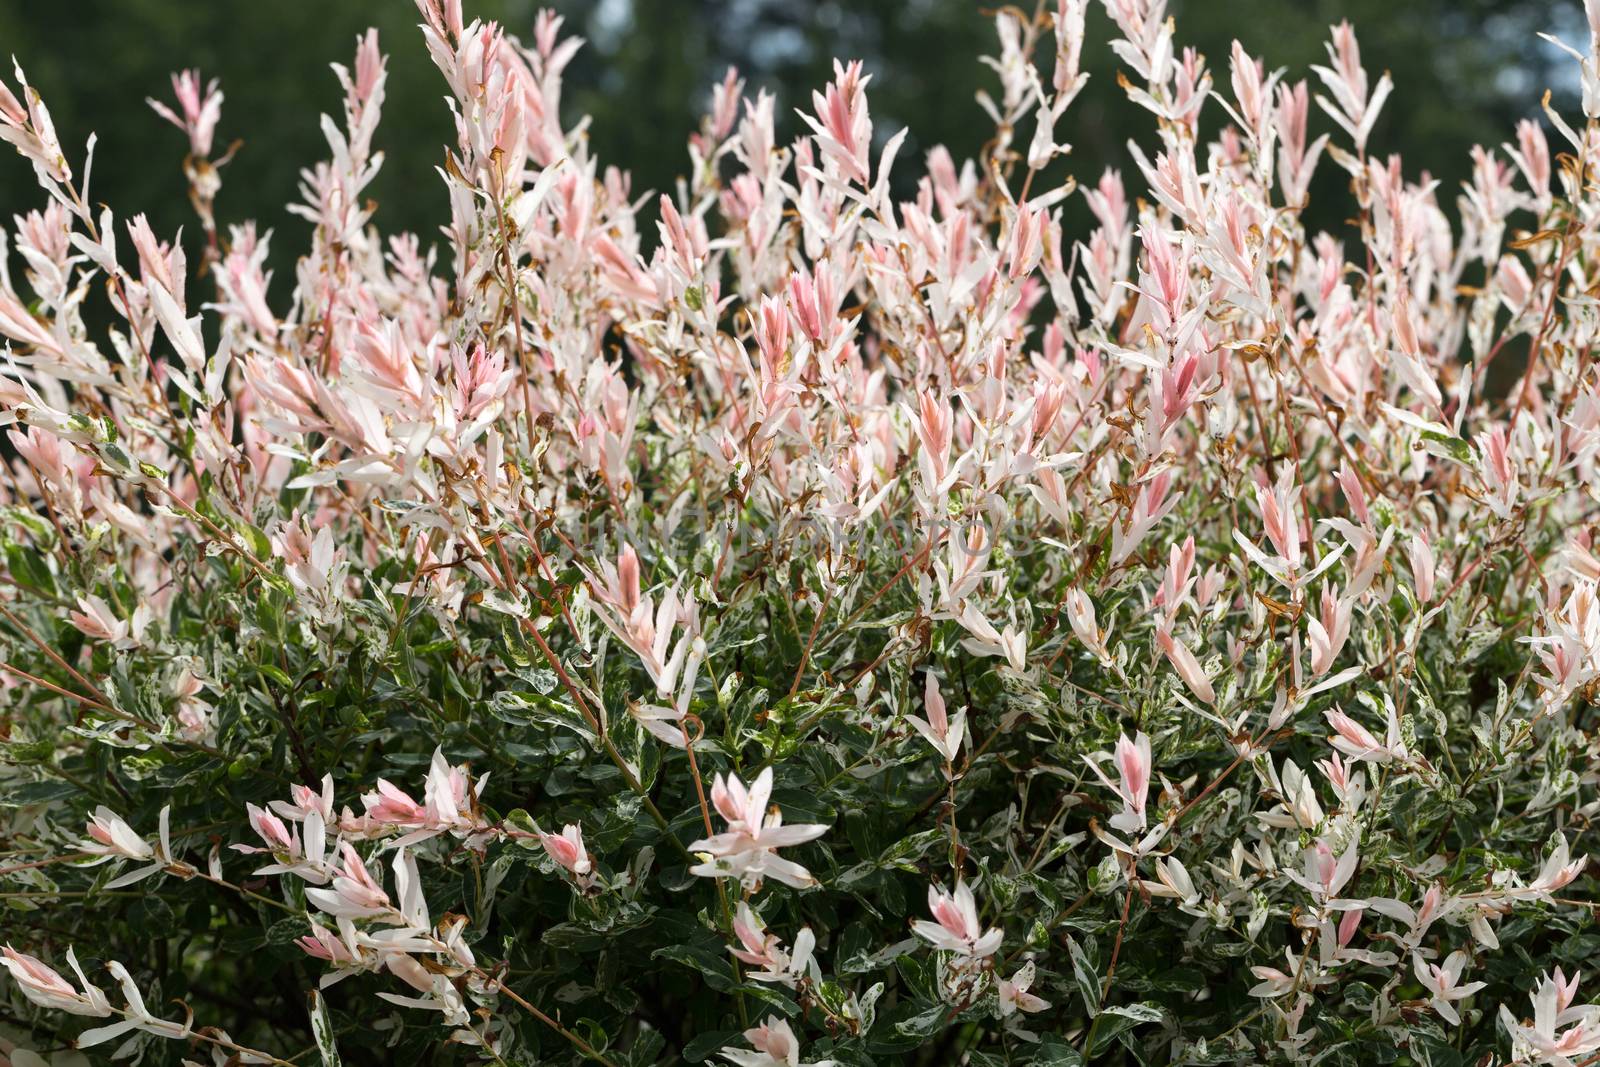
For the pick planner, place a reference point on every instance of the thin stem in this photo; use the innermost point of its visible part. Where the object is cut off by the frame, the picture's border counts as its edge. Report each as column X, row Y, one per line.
column 1111, row 973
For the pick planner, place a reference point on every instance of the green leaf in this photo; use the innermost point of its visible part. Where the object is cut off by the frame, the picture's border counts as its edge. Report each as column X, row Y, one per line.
column 1139, row 1013
column 1087, row 977
column 1119, row 1019
column 285, row 931
column 276, row 674
column 701, row 957
column 29, row 569
column 707, row 1045
column 36, row 793
column 532, row 708
column 1447, row 446
column 1054, row 1052
column 925, row 1023
column 322, row 1030
column 865, row 962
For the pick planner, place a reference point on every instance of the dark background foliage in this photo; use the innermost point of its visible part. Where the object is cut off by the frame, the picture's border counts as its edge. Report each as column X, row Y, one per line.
column 1464, row 71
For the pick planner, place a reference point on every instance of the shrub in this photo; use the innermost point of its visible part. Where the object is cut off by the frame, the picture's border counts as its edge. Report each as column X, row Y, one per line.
column 892, row 629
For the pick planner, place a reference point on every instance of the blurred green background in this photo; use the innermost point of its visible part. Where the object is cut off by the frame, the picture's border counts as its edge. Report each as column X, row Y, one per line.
column 1464, row 69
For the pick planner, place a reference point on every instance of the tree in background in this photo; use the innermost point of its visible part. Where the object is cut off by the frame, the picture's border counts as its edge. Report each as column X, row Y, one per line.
column 1461, row 65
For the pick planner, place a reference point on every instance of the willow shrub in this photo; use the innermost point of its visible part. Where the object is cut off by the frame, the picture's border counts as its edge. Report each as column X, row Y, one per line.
column 830, row 628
